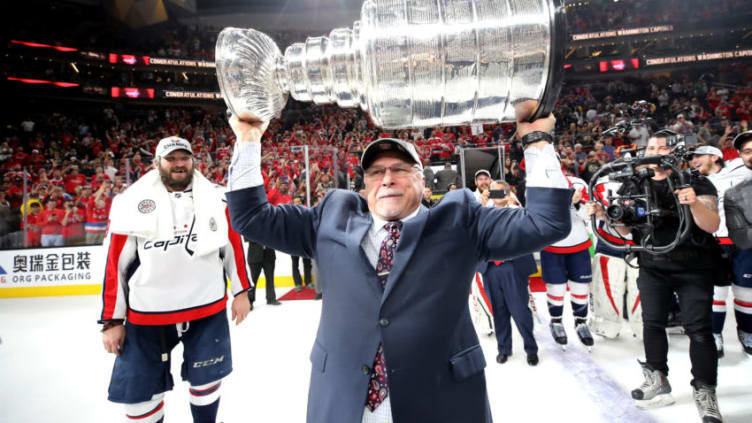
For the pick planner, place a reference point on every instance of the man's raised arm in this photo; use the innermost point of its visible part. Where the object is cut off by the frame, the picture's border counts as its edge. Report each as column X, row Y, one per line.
column 286, row 227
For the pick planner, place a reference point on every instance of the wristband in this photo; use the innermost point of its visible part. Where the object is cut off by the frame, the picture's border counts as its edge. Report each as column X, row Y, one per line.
column 111, row 324
column 536, row 136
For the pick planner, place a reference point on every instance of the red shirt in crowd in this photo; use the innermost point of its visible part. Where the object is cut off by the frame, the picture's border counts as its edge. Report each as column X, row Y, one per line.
column 51, row 221
column 96, row 183
column 730, row 153
column 96, row 214
column 20, row 157
column 276, row 198
column 71, row 182
column 74, row 228
column 223, row 153
column 15, row 190
column 35, row 234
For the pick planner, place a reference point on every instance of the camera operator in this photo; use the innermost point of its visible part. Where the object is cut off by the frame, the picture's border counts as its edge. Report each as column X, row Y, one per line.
column 738, row 210
column 687, row 270
column 708, row 160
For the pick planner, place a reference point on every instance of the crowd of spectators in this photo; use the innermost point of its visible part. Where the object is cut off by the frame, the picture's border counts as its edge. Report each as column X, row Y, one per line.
column 599, row 15
column 703, row 109
column 72, row 165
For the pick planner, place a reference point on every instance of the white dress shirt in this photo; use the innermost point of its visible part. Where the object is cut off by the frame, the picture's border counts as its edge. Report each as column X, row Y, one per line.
column 371, row 245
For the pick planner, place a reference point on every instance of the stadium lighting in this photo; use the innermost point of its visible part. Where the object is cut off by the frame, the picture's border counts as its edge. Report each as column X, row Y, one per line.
column 30, row 44
column 42, row 81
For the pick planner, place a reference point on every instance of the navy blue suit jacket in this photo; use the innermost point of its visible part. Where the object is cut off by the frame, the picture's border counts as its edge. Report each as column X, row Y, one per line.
column 435, row 363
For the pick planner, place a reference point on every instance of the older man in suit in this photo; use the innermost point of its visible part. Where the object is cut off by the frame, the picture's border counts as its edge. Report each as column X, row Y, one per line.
column 396, row 342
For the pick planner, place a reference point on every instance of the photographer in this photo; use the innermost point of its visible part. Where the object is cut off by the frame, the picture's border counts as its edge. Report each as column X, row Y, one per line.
column 482, row 182
column 687, row 270
column 506, row 283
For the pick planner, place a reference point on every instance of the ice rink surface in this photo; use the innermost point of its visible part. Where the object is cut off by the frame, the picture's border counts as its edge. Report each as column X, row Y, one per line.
column 53, row 368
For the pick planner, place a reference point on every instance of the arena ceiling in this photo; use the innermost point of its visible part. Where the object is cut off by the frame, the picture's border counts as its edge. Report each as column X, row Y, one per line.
column 314, row 16
column 269, row 6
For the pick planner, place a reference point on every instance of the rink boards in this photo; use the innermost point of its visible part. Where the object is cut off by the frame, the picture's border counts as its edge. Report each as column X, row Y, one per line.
column 42, row 272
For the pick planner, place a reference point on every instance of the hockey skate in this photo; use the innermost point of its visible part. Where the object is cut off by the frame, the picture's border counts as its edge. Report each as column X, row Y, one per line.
column 581, row 328
column 558, row 333
column 706, row 402
column 746, row 340
column 655, row 391
column 719, row 344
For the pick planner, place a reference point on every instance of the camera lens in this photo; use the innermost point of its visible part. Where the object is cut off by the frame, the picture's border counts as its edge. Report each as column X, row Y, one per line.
column 615, row 212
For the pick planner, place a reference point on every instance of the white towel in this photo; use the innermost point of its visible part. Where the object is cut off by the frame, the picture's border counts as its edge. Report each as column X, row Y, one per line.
column 143, row 210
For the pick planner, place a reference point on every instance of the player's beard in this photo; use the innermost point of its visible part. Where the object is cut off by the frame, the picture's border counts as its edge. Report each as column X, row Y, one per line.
column 173, row 184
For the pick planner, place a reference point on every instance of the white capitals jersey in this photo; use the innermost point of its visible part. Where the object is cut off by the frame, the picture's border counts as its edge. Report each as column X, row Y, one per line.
column 731, row 174
column 578, row 238
column 160, row 282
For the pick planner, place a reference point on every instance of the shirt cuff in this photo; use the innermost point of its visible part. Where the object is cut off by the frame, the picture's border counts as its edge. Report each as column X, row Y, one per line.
column 245, row 166
column 543, row 168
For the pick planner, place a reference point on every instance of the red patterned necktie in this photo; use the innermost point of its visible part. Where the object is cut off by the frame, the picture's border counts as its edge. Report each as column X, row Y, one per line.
column 378, row 389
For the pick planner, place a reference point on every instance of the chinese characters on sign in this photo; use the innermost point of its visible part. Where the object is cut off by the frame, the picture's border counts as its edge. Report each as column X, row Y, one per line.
column 52, row 262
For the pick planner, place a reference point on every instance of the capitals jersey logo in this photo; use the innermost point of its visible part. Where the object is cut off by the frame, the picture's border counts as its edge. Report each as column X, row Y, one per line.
column 147, row 206
column 177, row 240
column 187, row 241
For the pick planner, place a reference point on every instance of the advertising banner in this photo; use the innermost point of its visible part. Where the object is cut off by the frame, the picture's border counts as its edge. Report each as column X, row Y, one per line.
column 51, row 271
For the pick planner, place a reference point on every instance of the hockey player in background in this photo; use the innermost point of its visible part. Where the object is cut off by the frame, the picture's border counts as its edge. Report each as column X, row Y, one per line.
column 170, row 248
column 737, row 207
column 613, row 277
column 708, row 160
column 568, row 262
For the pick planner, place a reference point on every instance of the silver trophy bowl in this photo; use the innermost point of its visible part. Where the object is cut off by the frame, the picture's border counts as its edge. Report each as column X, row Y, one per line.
column 408, row 63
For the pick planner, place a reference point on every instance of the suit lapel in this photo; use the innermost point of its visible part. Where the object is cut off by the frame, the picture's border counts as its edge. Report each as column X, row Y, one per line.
column 357, row 229
column 409, row 239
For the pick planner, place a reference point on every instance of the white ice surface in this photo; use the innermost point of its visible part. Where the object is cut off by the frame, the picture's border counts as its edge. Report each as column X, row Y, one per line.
column 53, row 368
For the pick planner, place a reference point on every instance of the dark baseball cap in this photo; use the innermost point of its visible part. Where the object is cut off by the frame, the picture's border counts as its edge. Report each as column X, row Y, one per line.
column 381, row 145
column 744, row 136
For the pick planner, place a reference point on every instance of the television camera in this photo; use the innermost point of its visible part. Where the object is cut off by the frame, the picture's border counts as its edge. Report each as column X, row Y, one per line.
column 636, row 203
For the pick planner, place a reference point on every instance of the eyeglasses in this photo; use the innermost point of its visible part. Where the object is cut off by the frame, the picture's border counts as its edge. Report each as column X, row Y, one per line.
column 378, row 172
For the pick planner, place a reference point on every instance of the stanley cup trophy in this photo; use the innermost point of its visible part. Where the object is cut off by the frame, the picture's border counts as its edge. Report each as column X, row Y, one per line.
column 408, row 63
